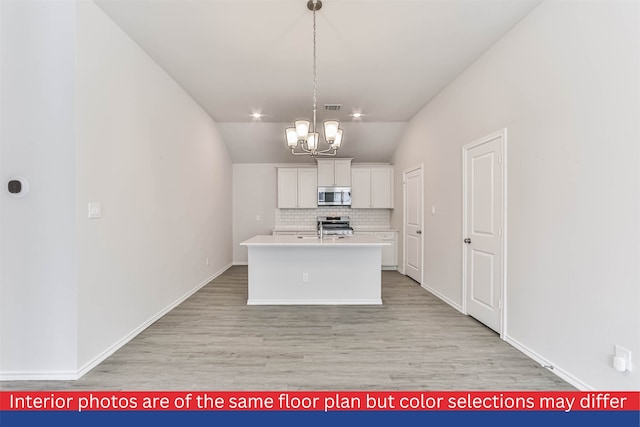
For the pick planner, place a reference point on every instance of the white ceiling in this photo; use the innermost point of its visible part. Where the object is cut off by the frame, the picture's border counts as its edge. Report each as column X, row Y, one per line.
column 384, row 58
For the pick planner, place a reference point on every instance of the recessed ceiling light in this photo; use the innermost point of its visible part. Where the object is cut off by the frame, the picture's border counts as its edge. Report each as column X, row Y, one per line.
column 256, row 115
column 356, row 115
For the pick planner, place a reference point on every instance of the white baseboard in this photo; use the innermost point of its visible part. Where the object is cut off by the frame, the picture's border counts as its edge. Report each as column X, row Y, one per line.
column 545, row 363
column 74, row 375
column 444, row 298
column 39, row 376
column 314, row 302
column 240, row 263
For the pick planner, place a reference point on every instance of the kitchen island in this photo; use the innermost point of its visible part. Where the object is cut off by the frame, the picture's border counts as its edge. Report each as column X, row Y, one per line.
column 296, row 270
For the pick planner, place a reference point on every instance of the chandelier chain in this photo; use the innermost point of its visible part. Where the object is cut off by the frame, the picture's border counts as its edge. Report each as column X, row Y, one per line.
column 303, row 138
column 314, row 71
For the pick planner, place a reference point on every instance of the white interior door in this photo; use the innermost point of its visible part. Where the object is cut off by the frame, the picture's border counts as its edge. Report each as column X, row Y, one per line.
column 413, row 223
column 483, row 234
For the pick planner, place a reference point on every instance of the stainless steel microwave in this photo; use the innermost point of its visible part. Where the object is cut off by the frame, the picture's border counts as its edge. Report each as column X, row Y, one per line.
column 334, row 196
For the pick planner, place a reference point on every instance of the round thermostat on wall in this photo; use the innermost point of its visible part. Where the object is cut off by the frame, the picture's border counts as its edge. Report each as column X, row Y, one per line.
column 18, row 186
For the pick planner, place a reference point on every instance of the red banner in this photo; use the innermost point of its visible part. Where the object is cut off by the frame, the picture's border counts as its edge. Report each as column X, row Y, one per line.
column 317, row 401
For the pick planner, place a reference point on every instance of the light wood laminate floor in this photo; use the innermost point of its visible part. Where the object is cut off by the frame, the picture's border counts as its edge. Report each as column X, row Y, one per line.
column 214, row 341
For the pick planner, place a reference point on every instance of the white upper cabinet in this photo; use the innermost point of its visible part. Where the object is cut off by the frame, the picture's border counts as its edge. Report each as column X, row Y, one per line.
column 297, row 188
column 342, row 173
column 372, row 187
column 326, row 174
column 308, row 188
column 334, row 172
column 360, row 188
column 382, row 187
column 287, row 188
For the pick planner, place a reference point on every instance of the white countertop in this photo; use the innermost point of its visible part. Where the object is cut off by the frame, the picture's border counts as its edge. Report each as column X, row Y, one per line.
column 314, row 241
column 304, row 230
column 355, row 230
column 375, row 230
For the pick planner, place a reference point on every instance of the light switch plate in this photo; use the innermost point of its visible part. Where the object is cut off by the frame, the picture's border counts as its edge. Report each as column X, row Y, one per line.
column 95, row 210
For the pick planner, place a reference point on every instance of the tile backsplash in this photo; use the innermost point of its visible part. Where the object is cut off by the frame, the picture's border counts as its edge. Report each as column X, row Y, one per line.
column 296, row 219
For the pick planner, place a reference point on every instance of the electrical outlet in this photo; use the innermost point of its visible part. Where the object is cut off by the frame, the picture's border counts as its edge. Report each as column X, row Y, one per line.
column 621, row 359
column 95, row 210
column 206, row 261
column 305, row 277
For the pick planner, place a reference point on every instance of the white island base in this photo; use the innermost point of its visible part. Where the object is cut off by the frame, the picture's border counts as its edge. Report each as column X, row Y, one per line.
column 286, row 270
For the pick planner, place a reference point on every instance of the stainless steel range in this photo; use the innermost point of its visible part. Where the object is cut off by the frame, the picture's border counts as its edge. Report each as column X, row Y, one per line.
column 334, row 226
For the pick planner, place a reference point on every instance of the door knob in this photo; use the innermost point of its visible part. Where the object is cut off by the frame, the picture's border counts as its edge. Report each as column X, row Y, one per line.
column 467, row 241
column 419, row 232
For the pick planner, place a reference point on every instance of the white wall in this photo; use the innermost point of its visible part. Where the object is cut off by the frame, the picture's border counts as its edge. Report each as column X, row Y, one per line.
column 565, row 82
column 87, row 116
column 254, row 194
column 155, row 161
column 38, row 281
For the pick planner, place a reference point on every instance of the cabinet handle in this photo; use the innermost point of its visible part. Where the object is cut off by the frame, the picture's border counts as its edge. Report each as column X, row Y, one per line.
column 467, row 241
column 419, row 232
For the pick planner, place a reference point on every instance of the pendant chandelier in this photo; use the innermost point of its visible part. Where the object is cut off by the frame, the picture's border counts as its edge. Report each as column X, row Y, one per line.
column 303, row 138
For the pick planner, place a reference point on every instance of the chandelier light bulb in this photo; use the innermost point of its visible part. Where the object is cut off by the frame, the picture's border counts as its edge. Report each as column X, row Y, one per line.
column 331, row 130
column 302, row 129
column 312, row 141
column 292, row 137
column 338, row 141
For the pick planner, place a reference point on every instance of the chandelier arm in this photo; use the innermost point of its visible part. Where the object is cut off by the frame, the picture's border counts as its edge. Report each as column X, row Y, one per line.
column 297, row 153
column 325, row 154
column 314, row 154
column 326, row 149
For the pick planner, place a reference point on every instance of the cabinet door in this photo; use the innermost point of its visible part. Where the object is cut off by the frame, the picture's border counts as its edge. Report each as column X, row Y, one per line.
column 307, row 188
column 287, row 188
column 389, row 252
column 326, row 176
column 342, row 173
column 360, row 188
column 382, row 188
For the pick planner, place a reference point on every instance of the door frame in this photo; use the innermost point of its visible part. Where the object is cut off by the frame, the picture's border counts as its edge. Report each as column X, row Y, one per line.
column 503, row 240
column 406, row 171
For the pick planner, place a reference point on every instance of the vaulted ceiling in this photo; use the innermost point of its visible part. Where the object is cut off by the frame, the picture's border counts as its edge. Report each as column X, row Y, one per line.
column 383, row 58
